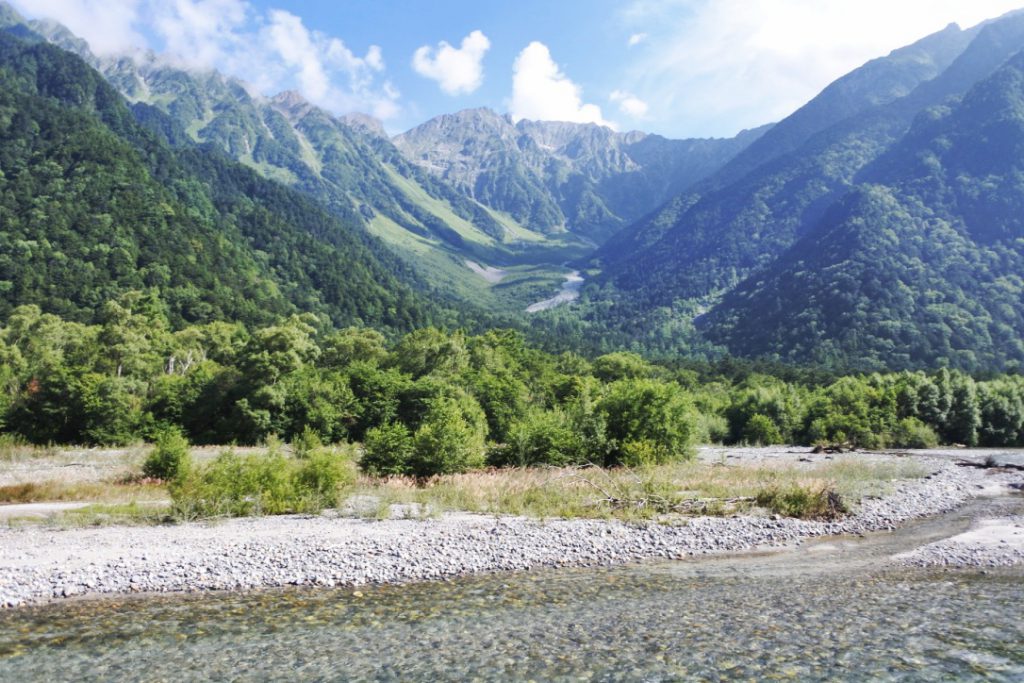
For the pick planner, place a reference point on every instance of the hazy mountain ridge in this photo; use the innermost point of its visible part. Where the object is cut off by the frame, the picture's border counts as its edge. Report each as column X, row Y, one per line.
column 698, row 247
column 879, row 226
column 561, row 176
column 526, row 210
column 923, row 265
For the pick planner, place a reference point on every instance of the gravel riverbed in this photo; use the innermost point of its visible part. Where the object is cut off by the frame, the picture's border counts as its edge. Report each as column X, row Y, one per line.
column 39, row 564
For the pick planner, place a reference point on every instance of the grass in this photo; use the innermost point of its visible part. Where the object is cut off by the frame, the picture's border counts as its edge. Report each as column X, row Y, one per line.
column 56, row 491
column 130, row 514
column 649, row 493
column 440, row 208
column 663, row 493
column 13, row 450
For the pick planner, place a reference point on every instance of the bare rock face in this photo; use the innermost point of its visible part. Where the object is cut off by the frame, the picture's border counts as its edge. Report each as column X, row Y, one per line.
column 555, row 175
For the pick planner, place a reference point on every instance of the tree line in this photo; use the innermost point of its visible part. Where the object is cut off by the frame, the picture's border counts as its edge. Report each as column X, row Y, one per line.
column 443, row 401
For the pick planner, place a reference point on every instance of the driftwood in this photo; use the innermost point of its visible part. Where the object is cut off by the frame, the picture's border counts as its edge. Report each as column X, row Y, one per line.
column 616, row 500
column 688, row 506
column 990, row 463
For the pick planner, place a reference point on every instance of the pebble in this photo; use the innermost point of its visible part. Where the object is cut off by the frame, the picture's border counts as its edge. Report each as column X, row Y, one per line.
column 42, row 565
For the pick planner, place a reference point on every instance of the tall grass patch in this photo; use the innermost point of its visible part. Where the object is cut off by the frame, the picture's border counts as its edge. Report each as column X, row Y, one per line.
column 234, row 485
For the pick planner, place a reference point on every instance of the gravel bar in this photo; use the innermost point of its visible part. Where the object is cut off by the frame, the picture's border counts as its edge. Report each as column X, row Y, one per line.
column 40, row 564
column 995, row 542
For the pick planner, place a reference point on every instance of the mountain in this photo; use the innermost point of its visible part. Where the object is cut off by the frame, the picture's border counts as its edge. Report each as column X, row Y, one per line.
column 93, row 207
column 454, row 238
column 684, row 259
column 557, row 177
column 922, row 264
column 346, row 163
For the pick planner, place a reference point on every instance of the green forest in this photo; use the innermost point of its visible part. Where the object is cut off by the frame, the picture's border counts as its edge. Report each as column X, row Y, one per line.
column 439, row 402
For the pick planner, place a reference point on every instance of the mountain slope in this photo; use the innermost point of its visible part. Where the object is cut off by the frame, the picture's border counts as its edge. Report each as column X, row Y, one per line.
column 924, row 264
column 681, row 260
column 344, row 163
column 94, row 206
column 555, row 177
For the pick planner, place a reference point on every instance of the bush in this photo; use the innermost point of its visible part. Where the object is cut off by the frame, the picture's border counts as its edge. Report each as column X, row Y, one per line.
column 648, row 422
column 322, row 477
column 307, row 441
column 387, row 450
column 912, row 433
column 802, row 502
column 238, row 486
column 761, row 430
column 711, row 428
column 451, row 438
column 169, row 458
column 542, row 437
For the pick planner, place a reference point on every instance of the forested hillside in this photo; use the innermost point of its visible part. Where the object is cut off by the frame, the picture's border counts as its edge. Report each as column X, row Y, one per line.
column 922, row 264
column 711, row 251
column 877, row 227
column 459, row 192
column 93, row 206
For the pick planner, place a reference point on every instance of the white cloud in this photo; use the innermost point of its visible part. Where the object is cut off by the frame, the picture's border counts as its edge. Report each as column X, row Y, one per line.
column 725, row 64
column 457, row 70
column 540, row 91
column 272, row 50
column 294, row 44
column 201, row 32
column 107, row 25
column 636, row 39
column 629, row 104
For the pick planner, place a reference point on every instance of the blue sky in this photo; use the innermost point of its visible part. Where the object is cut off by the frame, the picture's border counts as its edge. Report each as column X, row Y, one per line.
column 681, row 68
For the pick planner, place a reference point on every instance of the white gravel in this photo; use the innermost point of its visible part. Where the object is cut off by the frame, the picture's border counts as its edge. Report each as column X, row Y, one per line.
column 40, row 564
column 995, row 542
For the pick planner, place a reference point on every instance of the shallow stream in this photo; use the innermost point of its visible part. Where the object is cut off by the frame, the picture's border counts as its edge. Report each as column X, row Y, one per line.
column 827, row 610
column 570, row 292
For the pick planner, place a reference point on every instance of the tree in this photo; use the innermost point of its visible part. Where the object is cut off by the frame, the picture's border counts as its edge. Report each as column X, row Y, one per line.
column 387, row 450
column 648, row 422
column 450, row 439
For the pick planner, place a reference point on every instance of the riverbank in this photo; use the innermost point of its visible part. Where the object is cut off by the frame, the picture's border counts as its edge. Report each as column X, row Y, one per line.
column 40, row 563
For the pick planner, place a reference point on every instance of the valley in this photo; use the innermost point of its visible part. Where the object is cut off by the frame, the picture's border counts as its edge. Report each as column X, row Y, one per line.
column 413, row 395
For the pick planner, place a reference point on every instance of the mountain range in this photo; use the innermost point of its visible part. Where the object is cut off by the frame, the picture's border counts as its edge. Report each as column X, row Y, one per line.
column 877, row 226
column 541, row 193
column 703, row 264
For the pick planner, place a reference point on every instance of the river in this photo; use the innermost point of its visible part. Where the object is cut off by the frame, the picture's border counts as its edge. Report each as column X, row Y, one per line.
column 570, row 292
column 828, row 610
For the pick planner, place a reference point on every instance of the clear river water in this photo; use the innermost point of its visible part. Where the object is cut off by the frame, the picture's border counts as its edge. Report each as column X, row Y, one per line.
column 828, row 610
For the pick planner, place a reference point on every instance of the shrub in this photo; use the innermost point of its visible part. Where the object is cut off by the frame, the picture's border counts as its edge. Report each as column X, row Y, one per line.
column 712, row 428
column 761, row 430
column 802, row 502
column 542, row 437
column 169, row 458
column 912, row 433
column 322, row 477
column 307, row 441
column 387, row 450
column 237, row 486
column 647, row 420
column 451, row 438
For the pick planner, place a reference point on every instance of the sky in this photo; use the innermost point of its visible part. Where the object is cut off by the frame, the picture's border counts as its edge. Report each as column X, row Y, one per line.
column 680, row 68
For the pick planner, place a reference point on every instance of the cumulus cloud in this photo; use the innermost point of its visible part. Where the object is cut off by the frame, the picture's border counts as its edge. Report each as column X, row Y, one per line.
column 108, row 26
column 636, row 39
column 540, row 91
column 272, row 50
column 726, row 64
column 458, row 70
column 203, row 32
column 629, row 104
